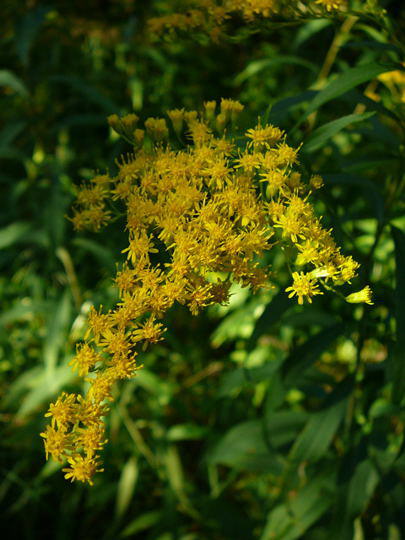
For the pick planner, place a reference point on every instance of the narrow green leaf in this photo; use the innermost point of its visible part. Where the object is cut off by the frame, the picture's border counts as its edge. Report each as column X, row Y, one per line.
column 91, row 93
column 241, row 377
column 27, row 30
column 278, row 523
column 371, row 44
column 142, row 523
column 184, row 432
column 257, row 66
column 305, row 355
column 244, row 448
column 13, row 233
column 43, row 389
column 271, row 315
column 361, row 488
column 398, row 368
column 310, row 29
column 59, row 317
column 10, row 132
column 174, row 470
column 7, row 78
column 327, row 131
column 282, row 427
column 356, row 96
column 345, row 82
column 314, row 440
column 393, row 532
column 277, row 112
column 369, row 189
column 238, row 324
column 126, row 486
column 104, row 255
column 291, row 520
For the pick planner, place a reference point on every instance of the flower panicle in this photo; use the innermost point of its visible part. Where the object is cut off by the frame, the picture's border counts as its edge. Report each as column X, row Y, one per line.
column 213, row 210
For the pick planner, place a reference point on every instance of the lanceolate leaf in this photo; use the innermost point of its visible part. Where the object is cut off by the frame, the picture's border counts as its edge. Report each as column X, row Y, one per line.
column 317, row 435
column 245, row 448
column 398, row 359
column 290, row 521
column 308, row 353
column 325, row 132
column 12, row 81
column 345, row 82
column 271, row 315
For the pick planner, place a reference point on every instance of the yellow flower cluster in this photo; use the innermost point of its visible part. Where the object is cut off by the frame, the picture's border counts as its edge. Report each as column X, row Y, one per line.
column 198, row 218
column 211, row 15
column 331, row 5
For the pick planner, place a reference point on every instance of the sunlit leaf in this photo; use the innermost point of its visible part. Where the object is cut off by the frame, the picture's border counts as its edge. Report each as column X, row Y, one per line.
column 126, row 486
column 344, row 82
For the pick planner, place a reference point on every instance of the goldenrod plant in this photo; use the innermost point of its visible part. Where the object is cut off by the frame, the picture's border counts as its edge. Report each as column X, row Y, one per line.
column 209, row 210
column 201, row 269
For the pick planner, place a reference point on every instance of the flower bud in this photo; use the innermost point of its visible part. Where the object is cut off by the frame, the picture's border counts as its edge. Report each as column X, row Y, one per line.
column 360, row 297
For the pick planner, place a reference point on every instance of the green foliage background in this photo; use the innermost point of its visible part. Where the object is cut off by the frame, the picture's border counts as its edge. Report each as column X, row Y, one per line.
column 262, row 419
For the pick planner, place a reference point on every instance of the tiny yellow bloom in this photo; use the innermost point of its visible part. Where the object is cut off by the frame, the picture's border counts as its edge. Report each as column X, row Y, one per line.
column 361, row 297
column 303, row 287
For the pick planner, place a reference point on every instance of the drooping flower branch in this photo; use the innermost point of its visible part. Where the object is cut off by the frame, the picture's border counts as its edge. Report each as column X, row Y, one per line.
column 198, row 215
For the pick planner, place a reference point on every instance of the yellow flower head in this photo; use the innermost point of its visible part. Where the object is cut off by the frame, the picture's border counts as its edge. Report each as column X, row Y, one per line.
column 361, row 297
column 81, row 469
column 331, row 5
column 304, row 286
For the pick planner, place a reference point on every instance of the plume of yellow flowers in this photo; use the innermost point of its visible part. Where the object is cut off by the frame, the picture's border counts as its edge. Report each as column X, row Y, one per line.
column 199, row 215
column 212, row 15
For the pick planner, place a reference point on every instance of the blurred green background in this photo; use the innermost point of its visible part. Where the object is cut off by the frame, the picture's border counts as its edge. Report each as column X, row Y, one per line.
column 262, row 419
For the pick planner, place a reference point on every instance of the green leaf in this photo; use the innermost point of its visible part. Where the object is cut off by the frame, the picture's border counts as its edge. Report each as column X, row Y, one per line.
column 315, row 438
column 356, row 96
column 59, row 317
column 126, row 486
column 13, row 233
column 27, row 31
column 174, row 470
column 244, row 448
column 43, row 389
column 163, row 390
column 104, row 255
column 345, row 82
column 10, row 132
column 270, row 316
column 305, row 355
column 241, row 377
column 369, row 189
column 184, row 432
column 398, row 367
column 91, row 93
column 277, row 112
column 257, row 66
column 361, row 488
column 7, row 78
column 54, row 213
column 310, row 29
column 282, row 427
column 291, row 520
column 238, row 324
column 141, row 523
column 373, row 45
column 327, row 131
